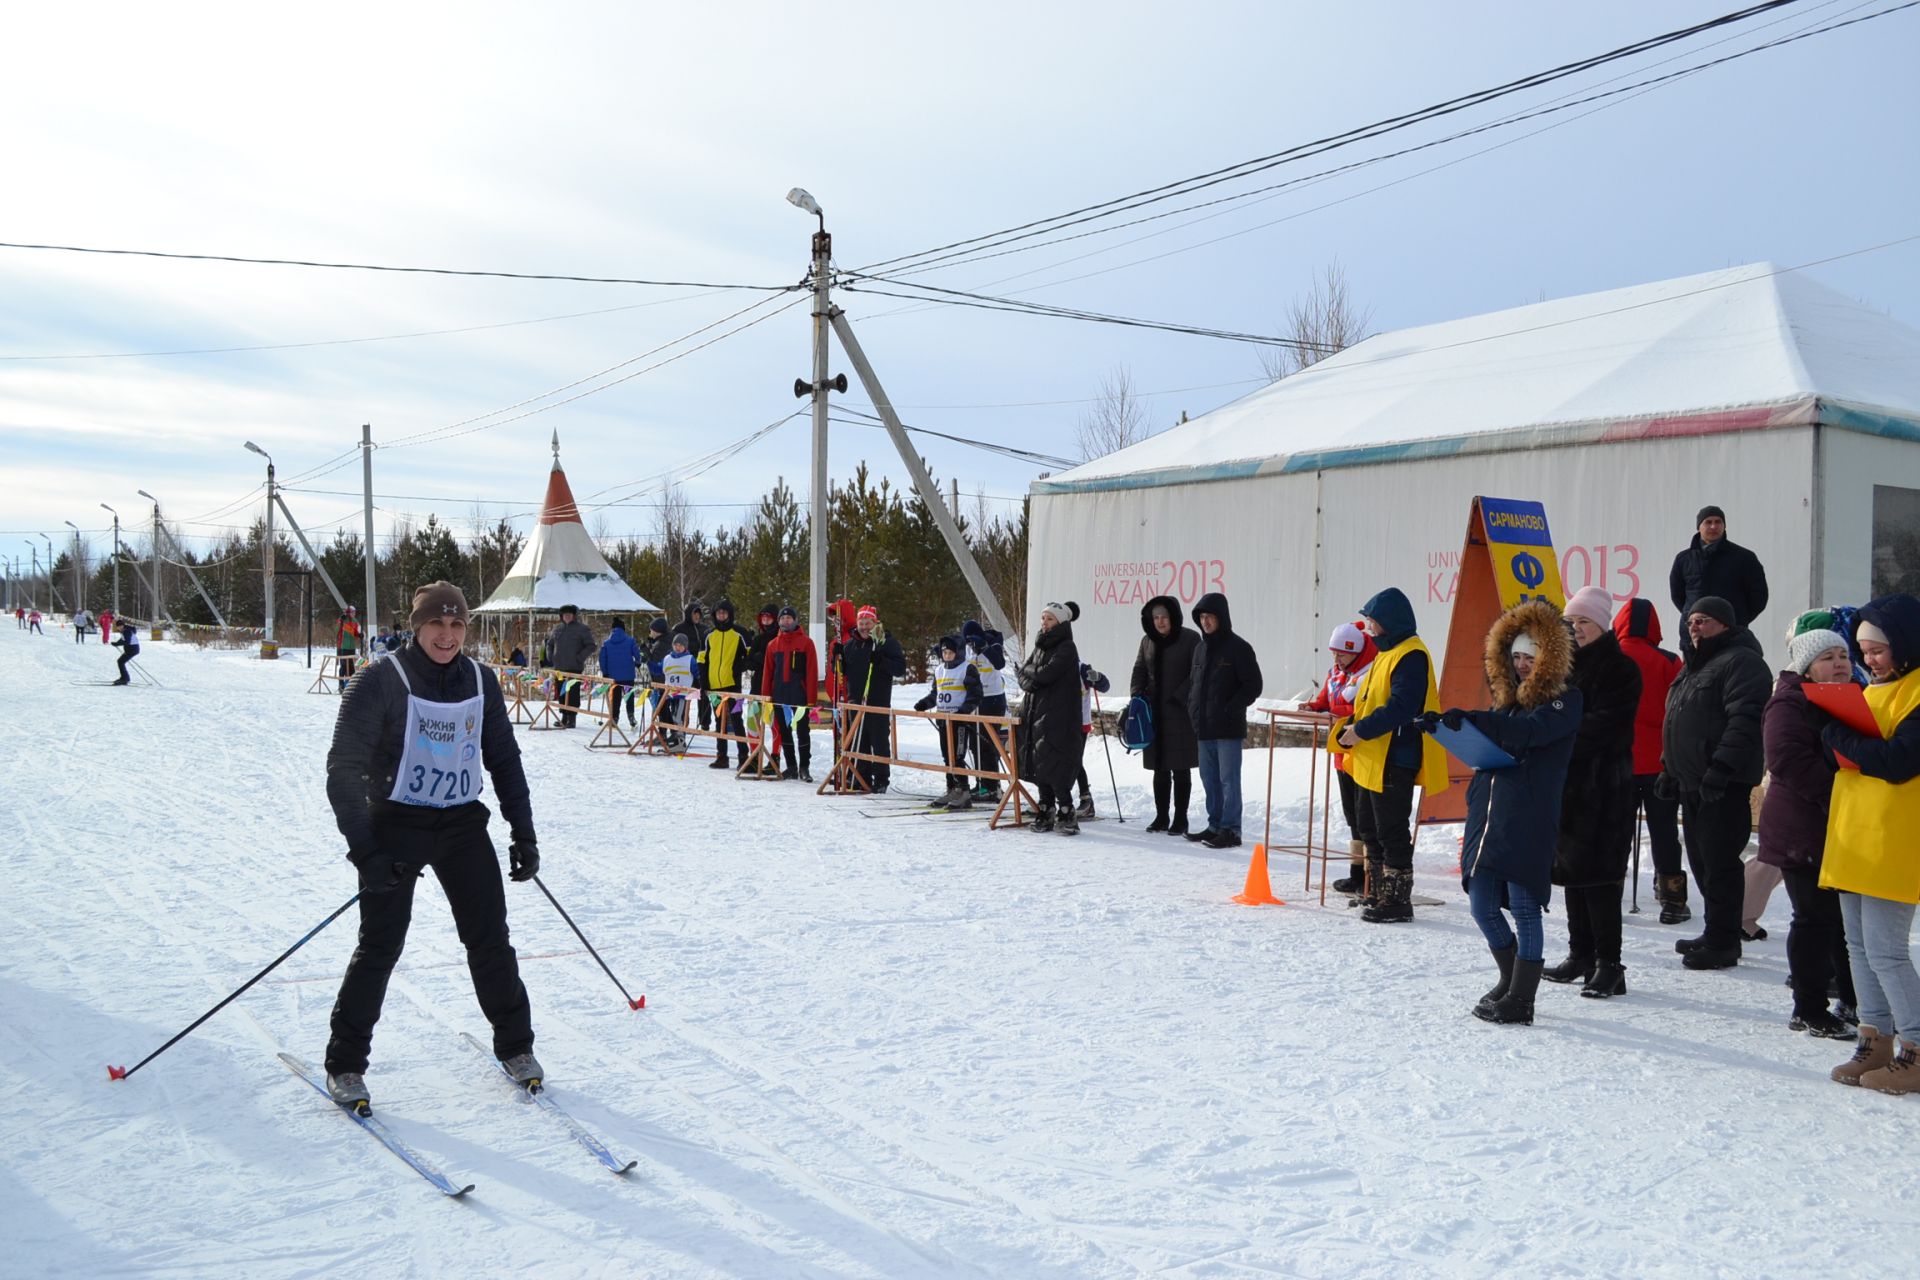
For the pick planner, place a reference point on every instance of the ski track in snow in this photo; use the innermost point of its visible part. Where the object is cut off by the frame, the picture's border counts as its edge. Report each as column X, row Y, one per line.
column 871, row 1048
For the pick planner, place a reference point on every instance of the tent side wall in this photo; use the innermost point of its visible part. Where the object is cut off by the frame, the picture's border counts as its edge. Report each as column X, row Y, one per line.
column 1619, row 512
column 1869, row 517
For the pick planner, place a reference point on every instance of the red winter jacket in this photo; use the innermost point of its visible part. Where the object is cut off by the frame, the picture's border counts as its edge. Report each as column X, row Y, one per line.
column 1637, row 626
column 791, row 669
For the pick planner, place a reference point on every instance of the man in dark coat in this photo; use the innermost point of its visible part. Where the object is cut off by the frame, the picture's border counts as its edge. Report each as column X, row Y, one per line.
column 568, row 650
column 1714, row 565
column 1160, row 675
column 1225, row 681
column 1713, row 758
column 1597, row 807
column 753, row 663
column 870, row 661
column 1050, row 740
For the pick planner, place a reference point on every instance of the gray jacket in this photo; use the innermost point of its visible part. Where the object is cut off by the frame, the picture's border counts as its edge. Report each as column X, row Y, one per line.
column 570, row 647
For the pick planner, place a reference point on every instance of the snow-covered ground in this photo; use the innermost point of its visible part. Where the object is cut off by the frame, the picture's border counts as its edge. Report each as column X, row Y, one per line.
column 880, row 1047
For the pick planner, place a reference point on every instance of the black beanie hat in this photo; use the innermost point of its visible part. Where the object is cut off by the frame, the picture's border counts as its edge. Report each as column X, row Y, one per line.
column 1716, row 608
column 1706, row 513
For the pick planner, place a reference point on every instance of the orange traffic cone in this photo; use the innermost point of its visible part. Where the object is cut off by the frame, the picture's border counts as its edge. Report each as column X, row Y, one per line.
column 1259, row 891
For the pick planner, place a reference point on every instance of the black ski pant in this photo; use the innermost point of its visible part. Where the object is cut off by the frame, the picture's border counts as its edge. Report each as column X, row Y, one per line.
column 80, row 634
column 730, row 723
column 463, row 860
column 1386, row 818
column 1593, row 921
column 1663, row 825
column 1175, row 785
column 569, row 699
column 1716, row 834
column 1816, row 943
column 988, row 755
column 126, row 656
column 875, row 738
column 956, row 745
column 793, row 727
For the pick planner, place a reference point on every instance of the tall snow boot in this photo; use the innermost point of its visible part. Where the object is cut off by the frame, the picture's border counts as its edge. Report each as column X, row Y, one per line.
column 1516, row 1007
column 1900, row 1075
column 1575, row 968
column 1393, row 899
column 1672, row 893
column 1502, row 956
column 1356, row 878
column 1369, row 892
column 1065, row 822
column 1873, row 1053
column 1042, row 819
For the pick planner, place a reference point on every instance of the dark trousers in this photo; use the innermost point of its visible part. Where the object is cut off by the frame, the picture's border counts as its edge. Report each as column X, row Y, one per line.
column 874, row 739
column 1716, row 834
column 80, row 634
column 956, row 745
column 732, row 723
column 1386, row 819
column 569, row 700
column 126, row 656
column 469, row 874
column 345, row 666
column 1816, row 943
column 989, row 748
column 793, row 727
column 1663, row 825
column 1349, row 801
column 622, row 695
column 1175, row 785
column 1593, row 921
column 706, row 713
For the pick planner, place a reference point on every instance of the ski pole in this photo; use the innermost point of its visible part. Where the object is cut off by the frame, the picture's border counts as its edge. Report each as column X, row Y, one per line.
column 1108, row 748
column 121, row 1073
column 641, row 1003
column 1636, row 859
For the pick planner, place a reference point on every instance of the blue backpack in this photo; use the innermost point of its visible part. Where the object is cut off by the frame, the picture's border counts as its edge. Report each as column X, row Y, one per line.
column 1136, row 725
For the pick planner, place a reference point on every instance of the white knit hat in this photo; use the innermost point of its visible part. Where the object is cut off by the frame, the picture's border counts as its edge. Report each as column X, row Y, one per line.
column 1808, row 645
column 1864, row 631
column 1525, row 643
column 1347, row 638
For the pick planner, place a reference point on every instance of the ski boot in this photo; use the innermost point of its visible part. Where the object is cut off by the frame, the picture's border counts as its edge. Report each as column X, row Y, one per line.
column 1086, row 808
column 526, row 1072
column 1066, row 823
column 1042, row 820
column 349, row 1089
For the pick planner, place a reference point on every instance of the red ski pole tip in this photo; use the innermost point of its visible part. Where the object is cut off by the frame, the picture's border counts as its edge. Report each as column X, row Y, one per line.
column 116, row 1073
column 641, row 1003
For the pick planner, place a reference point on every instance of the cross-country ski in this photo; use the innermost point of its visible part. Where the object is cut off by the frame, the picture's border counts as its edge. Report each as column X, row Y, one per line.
column 544, row 1100
column 376, row 1128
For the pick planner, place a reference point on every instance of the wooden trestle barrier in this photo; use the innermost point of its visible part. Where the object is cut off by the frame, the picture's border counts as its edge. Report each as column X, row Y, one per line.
column 845, row 779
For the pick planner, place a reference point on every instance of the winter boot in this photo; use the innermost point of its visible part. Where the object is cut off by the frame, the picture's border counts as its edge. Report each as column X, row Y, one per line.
column 959, row 798
column 1196, row 837
column 1502, row 956
column 1687, row 946
column 1042, row 820
column 349, row 1089
column 1223, row 840
column 806, row 775
column 1900, row 1075
column 1356, row 877
column 1067, row 824
column 1516, row 1007
column 1393, row 902
column 1608, row 980
column 1575, row 968
column 1178, row 827
column 1712, row 957
column 526, row 1072
column 1370, row 891
column 1158, row 824
column 1872, row 1053
column 1672, row 893
column 720, row 762
column 1086, row 808
column 1821, row 1025
column 987, row 793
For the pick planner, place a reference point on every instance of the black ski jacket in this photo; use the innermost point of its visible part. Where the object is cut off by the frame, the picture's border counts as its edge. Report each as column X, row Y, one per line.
column 1712, row 734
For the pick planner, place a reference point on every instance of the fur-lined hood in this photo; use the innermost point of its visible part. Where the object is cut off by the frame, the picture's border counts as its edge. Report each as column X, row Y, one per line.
column 1550, row 670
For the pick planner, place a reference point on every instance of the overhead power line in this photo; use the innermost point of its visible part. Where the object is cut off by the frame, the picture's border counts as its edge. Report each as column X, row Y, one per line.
column 987, row 302
column 428, row 271
column 1257, row 164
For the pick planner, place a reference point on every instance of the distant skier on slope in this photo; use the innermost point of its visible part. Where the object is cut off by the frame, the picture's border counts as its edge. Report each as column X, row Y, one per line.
column 404, row 779
column 129, row 646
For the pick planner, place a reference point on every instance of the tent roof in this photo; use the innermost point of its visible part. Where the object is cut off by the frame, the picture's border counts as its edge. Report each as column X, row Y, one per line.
column 560, row 565
column 1741, row 349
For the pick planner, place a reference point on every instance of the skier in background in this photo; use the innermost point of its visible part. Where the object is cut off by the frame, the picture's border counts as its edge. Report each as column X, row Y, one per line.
column 986, row 650
column 82, row 625
column 129, row 646
column 106, row 626
column 404, row 777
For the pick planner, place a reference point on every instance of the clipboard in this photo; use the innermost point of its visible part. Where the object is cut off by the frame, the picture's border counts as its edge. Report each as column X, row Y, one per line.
column 1472, row 747
column 1846, row 703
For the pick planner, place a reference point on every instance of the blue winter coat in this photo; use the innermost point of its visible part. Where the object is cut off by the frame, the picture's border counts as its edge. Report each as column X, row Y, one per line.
column 620, row 656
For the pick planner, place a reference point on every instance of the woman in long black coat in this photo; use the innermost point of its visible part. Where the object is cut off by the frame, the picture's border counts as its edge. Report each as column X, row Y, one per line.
column 1160, row 675
column 1050, row 739
column 1597, row 809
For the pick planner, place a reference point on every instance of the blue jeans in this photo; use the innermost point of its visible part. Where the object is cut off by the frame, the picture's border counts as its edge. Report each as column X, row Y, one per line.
column 1220, row 779
column 1878, row 944
column 1483, row 898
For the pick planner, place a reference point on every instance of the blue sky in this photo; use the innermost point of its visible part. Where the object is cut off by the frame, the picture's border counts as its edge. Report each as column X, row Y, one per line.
column 636, row 141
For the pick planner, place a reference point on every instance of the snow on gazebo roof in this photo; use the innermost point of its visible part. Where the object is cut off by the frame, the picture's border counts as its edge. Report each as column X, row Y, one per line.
column 560, row 565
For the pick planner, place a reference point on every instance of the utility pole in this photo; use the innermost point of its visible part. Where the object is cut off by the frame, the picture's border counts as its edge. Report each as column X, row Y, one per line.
column 269, row 647
column 155, row 619
column 33, row 571
column 79, row 587
column 817, row 548
column 116, row 559
column 371, row 624
column 53, row 592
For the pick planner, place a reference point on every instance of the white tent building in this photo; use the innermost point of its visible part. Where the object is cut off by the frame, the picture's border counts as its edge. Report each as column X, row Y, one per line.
column 561, row 565
column 1758, row 390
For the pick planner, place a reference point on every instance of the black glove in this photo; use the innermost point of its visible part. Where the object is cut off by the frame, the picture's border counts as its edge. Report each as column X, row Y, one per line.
column 1428, row 721
column 1453, row 717
column 379, row 873
column 1713, row 787
column 1666, row 787
column 523, row 860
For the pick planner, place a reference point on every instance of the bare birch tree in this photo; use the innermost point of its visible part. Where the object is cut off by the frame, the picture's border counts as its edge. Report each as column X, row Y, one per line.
column 1115, row 419
column 1322, row 323
column 674, row 524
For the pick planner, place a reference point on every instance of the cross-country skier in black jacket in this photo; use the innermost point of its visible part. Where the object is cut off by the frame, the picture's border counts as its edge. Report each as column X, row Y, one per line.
column 404, row 779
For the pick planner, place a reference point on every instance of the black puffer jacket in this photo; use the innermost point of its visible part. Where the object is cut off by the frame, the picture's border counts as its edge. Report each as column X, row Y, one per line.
column 1725, row 569
column 871, row 668
column 1225, row 676
column 368, row 742
column 1160, row 675
column 1712, row 733
column 1597, row 807
column 1050, row 739
column 572, row 644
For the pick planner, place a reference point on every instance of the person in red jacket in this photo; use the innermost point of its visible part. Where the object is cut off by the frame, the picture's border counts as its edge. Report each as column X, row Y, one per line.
column 106, row 626
column 1353, row 653
column 790, row 672
column 1637, row 626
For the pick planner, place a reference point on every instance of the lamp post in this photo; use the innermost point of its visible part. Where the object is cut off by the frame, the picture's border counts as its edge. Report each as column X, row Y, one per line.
column 269, row 648
column 116, row 558
column 817, row 549
column 154, row 621
column 49, row 541
column 79, row 588
column 33, row 571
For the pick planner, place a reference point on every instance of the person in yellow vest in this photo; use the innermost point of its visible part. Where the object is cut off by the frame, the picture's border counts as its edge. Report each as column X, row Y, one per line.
column 1390, row 755
column 722, row 662
column 1872, row 856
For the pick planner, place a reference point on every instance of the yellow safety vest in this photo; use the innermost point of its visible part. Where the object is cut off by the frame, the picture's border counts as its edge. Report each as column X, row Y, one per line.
column 1872, row 823
column 1368, row 759
column 721, row 652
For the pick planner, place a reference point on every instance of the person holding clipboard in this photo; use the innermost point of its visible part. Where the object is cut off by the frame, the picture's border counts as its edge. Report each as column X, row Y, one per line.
column 1513, row 809
column 1872, row 856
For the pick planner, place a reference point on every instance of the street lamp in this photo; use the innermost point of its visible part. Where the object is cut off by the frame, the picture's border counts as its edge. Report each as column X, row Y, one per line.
column 79, row 596
column 49, row 541
column 803, row 200
column 33, row 571
column 156, row 555
column 116, row 558
column 269, row 648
